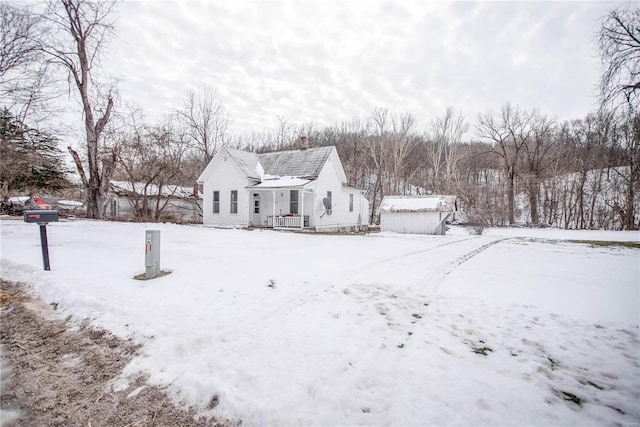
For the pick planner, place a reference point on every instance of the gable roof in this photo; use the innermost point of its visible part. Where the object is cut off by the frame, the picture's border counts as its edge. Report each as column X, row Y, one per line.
column 246, row 161
column 431, row 203
column 301, row 163
column 292, row 163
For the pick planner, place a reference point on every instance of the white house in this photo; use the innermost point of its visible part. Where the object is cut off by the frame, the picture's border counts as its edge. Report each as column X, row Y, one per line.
column 416, row 214
column 296, row 189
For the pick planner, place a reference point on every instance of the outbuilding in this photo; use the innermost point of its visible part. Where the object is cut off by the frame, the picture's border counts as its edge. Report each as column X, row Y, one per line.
column 417, row 214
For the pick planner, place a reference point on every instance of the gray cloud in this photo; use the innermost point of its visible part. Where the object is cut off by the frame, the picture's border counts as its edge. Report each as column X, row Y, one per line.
column 331, row 61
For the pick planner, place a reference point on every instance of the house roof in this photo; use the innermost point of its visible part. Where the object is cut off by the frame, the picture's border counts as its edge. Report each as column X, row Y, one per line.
column 246, row 161
column 431, row 203
column 306, row 163
column 301, row 163
column 44, row 204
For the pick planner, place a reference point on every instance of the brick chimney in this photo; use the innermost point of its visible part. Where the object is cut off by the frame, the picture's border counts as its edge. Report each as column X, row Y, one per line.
column 304, row 142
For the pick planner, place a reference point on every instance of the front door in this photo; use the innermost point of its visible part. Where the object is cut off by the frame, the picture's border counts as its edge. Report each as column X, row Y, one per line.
column 256, row 210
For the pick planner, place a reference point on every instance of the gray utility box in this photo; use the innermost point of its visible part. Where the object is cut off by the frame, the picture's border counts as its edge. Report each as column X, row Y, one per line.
column 41, row 216
column 152, row 254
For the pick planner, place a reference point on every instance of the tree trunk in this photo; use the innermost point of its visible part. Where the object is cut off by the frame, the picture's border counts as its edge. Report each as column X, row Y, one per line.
column 629, row 211
column 511, row 178
column 534, row 189
column 94, row 202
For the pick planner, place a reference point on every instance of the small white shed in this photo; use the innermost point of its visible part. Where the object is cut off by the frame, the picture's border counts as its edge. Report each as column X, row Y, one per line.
column 417, row 214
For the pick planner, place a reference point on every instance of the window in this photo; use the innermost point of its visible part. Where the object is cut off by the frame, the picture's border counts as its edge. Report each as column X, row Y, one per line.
column 216, row 202
column 350, row 202
column 234, row 202
column 293, row 201
column 329, row 205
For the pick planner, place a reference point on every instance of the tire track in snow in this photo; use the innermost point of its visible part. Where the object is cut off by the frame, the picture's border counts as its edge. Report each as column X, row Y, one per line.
column 418, row 252
column 434, row 279
column 388, row 347
column 305, row 296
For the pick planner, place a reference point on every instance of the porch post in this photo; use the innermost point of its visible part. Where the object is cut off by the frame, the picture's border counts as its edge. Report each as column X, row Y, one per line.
column 302, row 209
column 273, row 218
column 313, row 211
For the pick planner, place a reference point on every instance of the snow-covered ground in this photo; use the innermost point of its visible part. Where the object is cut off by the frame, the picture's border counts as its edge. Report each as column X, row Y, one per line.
column 512, row 327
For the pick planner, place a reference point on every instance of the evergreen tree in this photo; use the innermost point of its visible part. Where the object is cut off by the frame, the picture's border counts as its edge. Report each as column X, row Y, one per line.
column 30, row 159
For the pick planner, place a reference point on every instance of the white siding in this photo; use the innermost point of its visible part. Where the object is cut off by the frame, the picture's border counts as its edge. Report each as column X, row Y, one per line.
column 226, row 176
column 413, row 222
column 331, row 179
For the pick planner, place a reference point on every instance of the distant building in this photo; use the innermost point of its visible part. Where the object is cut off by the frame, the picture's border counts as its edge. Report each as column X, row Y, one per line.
column 16, row 205
column 417, row 214
column 172, row 203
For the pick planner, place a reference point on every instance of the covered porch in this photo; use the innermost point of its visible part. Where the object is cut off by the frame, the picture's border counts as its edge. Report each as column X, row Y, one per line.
column 281, row 203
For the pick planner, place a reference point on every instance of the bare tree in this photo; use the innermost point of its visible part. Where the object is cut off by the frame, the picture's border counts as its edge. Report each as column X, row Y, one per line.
column 25, row 81
column 207, row 121
column 80, row 28
column 508, row 131
column 401, row 143
column 619, row 42
column 152, row 160
column 536, row 159
column 284, row 133
column 352, row 136
column 378, row 129
column 19, row 37
column 627, row 142
column 446, row 132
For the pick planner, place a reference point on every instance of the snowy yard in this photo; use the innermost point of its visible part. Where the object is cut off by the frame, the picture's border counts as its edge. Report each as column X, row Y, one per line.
column 509, row 328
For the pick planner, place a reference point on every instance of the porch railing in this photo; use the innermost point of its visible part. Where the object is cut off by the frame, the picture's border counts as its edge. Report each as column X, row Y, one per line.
column 287, row 221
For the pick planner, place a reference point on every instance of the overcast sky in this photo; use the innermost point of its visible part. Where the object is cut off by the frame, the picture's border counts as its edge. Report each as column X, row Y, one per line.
column 329, row 61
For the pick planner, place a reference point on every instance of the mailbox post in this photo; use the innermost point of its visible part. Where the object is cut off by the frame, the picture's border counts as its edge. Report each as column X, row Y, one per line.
column 42, row 218
column 152, row 254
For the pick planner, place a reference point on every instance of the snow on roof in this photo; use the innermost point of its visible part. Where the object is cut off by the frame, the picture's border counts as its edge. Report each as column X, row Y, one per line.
column 260, row 170
column 19, row 199
column 151, row 189
column 433, row 203
column 281, row 182
column 292, row 163
column 70, row 203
